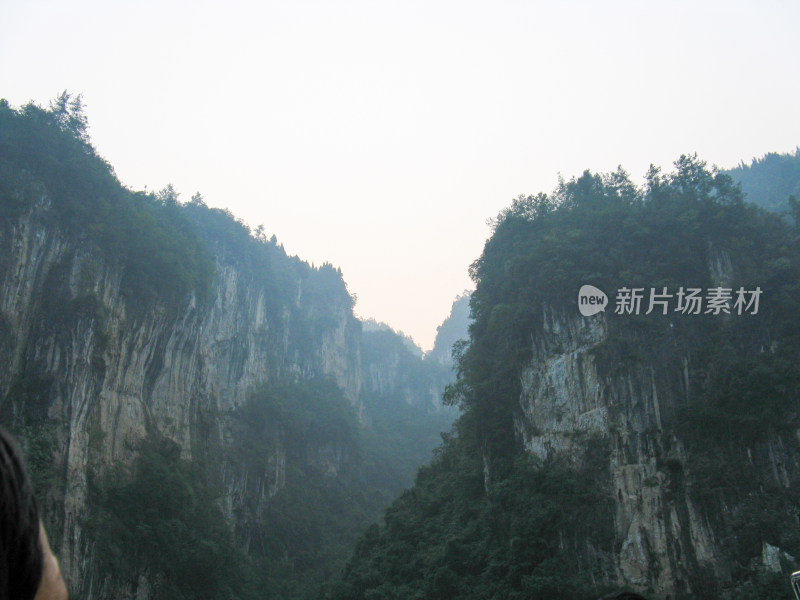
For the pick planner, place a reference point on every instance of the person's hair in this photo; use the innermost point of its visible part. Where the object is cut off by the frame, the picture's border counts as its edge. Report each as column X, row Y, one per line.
column 21, row 558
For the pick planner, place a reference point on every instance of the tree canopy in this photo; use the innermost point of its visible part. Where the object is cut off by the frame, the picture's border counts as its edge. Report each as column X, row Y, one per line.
column 488, row 520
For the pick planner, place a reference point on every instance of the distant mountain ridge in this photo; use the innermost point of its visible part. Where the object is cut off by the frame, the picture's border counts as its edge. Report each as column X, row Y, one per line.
column 771, row 180
column 371, row 325
column 454, row 328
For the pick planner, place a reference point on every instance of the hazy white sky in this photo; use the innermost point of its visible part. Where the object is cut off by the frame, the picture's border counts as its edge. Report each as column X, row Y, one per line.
column 380, row 136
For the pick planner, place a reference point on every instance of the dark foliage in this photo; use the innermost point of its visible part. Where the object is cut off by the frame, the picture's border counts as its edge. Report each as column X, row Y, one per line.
column 336, row 480
column 483, row 521
column 161, row 519
column 406, row 419
column 448, row 537
column 771, row 180
column 454, row 328
column 47, row 160
column 164, row 517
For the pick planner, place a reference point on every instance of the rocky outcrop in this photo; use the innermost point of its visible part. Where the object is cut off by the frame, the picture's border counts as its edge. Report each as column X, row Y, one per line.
column 576, row 388
column 390, row 370
column 103, row 369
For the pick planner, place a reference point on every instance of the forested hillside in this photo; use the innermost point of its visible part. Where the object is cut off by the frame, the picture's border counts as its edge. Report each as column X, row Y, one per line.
column 653, row 449
column 204, row 416
column 452, row 330
column 771, row 180
column 402, row 395
column 192, row 401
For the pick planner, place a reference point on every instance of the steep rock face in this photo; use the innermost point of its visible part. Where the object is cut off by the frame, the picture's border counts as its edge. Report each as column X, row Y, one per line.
column 102, row 371
column 567, row 397
column 655, row 452
column 391, row 370
column 576, row 388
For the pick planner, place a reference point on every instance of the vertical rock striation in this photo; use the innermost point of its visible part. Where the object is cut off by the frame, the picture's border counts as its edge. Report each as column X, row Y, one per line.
column 81, row 358
column 577, row 387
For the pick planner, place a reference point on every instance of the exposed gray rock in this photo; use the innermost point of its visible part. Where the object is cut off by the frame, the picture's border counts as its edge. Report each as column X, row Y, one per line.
column 112, row 372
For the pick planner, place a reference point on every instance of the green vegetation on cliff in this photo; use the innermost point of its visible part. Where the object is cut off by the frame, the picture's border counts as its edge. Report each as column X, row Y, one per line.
column 166, row 249
column 157, row 525
column 486, row 520
column 771, row 180
column 451, row 537
column 268, row 498
column 301, row 480
column 402, row 398
column 270, row 474
column 453, row 329
column 46, row 157
column 308, row 489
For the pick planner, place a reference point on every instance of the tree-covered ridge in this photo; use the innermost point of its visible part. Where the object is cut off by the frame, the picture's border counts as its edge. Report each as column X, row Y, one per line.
column 603, row 230
column 452, row 537
column 166, row 249
column 454, row 328
column 274, row 476
column 771, row 180
column 46, row 157
column 478, row 523
column 371, row 325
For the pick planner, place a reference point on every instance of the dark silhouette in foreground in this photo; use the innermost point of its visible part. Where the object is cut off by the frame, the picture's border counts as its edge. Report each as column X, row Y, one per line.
column 28, row 568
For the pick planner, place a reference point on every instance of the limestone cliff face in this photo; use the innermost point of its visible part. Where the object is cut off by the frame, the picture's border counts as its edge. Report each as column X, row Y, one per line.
column 391, row 370
column 577, row 388
column 568, row 397
column 100, row 371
